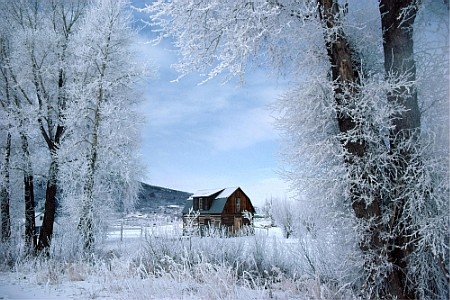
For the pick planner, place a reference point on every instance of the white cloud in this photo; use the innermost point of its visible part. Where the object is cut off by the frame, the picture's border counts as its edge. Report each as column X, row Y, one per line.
column 242, row 129
column 173, row 104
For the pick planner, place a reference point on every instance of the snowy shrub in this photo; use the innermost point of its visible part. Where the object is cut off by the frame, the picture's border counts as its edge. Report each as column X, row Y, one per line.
column 10, row 253
column 75, row 272
column 285, row 215
column 162, row 266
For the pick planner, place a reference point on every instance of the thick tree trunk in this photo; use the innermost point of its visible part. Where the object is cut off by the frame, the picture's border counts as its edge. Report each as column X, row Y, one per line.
column 4, row 192
column 399, row 58
column 46, row 233
column 87, row 213
column 30, row 226
column 53, row 141
column 346, row 81
column 343, row 72
column 397, row 19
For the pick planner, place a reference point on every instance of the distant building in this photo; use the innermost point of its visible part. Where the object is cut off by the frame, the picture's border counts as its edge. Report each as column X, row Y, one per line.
column 38, row 220
column 219, row 208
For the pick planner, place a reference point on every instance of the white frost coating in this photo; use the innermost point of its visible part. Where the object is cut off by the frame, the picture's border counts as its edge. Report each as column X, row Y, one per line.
column 227, row 192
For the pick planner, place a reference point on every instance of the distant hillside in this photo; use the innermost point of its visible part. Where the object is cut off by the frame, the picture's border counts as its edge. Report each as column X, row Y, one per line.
column 155, row 199
column 151, row 199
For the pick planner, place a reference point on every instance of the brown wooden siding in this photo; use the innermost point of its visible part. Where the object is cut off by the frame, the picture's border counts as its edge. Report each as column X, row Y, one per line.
column 245, row 204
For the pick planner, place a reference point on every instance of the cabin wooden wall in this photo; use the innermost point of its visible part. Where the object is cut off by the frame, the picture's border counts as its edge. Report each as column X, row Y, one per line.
column 230, row 206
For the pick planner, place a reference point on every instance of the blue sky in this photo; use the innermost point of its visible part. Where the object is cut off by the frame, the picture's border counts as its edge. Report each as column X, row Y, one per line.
column 212, row 135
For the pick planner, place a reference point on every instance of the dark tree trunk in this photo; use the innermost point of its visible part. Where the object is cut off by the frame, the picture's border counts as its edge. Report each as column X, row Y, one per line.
column 4, row 193
column 46, row 232
column 346, row 89
column 30, row 226
column 343, row 73
column 397, row 20
column 53, row 141
column 399, row 58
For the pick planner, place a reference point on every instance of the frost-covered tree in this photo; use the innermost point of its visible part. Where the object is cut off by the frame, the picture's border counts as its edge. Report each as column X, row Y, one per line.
column 13, row 101
column 267, row 210
column 284, row 213
column 67, row 79
column 5, row 147
column 39, row 34
column 5, row 189
column 103, row 116
column 358, row 150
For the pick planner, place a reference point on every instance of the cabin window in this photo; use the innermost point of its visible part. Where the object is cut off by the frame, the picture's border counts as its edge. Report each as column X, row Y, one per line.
column 238, row 204
column 201, row 204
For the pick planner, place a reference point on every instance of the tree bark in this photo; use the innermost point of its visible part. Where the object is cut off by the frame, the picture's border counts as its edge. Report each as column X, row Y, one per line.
column 30, row 225
column 55, row 129
column 53, row 141
column 399, row 58
column 397, row 20
column 343, row 72
column 46, row 232
column 87, row 213
column 346, row 81
column 346, row 88
column 4, row 192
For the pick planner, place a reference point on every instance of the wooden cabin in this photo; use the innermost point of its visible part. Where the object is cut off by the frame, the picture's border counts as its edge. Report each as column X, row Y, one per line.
column 219, row 208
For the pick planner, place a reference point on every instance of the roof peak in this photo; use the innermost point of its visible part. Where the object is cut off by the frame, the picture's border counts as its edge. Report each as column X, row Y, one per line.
column 209, row 192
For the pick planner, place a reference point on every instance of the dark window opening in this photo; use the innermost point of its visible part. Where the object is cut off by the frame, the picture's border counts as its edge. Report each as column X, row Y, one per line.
column 238, row 204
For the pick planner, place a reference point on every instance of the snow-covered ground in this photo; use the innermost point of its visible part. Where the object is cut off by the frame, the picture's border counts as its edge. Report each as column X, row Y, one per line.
column 126, row 276
column 27, row 286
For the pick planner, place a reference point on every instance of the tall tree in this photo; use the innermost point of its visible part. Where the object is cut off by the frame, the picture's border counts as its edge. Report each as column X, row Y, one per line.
column 397, row 25
column 6, row 154
column 64, row 16
column 41, row 32
column 14, row 98
column 71, row 73
column 4, row 191
column 105, row 101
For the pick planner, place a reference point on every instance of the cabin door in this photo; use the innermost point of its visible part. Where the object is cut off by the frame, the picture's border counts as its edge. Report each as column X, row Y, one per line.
column 237, row 224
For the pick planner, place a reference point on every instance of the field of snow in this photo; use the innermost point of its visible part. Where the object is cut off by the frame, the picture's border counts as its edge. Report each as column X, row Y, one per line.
column 152, row 262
